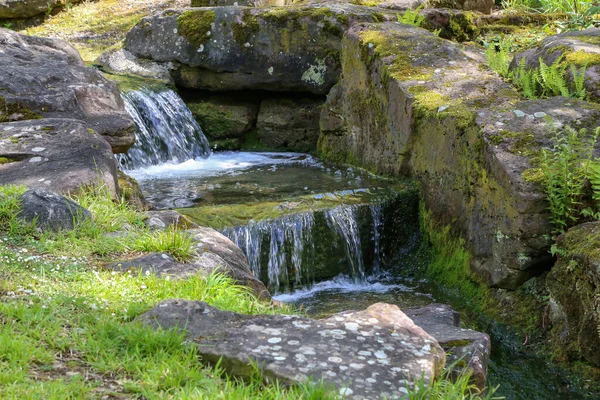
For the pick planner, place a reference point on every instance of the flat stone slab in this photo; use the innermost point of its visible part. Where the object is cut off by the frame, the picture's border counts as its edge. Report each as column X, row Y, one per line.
column 159, row 264
column 371, row 354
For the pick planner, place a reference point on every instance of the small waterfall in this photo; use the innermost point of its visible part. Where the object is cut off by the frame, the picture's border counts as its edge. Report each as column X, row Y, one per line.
column 344, row 221
column 377, row 216
column 297, row 250
column 166, row 130
column 290, row 246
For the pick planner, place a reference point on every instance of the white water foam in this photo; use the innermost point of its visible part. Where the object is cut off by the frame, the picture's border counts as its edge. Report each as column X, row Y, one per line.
column 222, row 163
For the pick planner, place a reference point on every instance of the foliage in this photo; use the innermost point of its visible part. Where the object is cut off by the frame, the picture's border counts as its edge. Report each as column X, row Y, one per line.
column 565, row 169
column 498, row 57
column 574, row 7
column 549, row 80
column 411, row 17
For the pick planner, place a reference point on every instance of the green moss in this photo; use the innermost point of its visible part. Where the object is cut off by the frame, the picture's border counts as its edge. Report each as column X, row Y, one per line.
column 580, row 58
column 6, row 160
column 458, row 343
column 332, row 29
column 378, row 17
column 195, row 25
column 401, row 67
column 342, row 19
column 534, row 175
column 200, row 3
column 248, row 26
column 429, row 103
column 462, row 26
column 15, row 112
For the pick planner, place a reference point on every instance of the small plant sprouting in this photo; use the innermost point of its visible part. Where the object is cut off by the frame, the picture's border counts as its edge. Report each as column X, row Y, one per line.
column 412, row 17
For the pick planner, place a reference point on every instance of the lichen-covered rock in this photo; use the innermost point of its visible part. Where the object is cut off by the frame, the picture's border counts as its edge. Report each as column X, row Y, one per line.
column 46, row 77
column 289, row 124
column 215, row 251
column 410, row 103
column 372, row 354
column 293, row 48
column 218, row 3
column 56, row 154
column 574, row 287
column 51, row 211
column 223, row 116
column 29, row 8
column 465, row 348
column 577, row 48
column 161, row 265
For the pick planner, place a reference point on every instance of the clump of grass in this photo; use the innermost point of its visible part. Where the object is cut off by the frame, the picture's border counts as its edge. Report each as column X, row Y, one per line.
column 10, row 206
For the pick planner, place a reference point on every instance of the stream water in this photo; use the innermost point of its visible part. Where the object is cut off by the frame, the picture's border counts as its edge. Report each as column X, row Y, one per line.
column 360, row 248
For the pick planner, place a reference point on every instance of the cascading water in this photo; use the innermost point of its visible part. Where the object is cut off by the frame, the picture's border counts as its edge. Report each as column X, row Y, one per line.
column 377, row 216
column 283, row 251
column 166, row 130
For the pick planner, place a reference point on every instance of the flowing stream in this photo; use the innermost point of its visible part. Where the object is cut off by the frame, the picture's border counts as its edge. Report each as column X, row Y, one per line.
column 322, row 237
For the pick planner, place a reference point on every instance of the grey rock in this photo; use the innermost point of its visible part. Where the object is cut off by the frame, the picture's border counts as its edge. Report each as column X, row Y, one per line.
column 29, row 8
column 370, row 354
column 72, row 157
column 483, row 6
column 164, row 219
column 123, row 62
column 51, row 211
column 464, row 348
column 161, row 265
column 46, row 77
column 214, row 250
column 236, row 48
column 289, row 124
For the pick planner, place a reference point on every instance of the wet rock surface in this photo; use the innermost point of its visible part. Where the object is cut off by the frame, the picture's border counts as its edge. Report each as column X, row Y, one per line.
column 46, row 78
column 56, row 154
column 51, row 211
column 370, row 354
column 465, row 348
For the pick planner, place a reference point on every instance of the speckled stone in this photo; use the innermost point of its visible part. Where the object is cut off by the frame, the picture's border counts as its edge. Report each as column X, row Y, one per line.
column 369, row 354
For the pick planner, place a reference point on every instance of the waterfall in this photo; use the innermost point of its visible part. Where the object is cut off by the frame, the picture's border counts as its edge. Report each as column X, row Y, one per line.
column 377, row 216
column 290, row 246
column 166, row 130
column 297, row 250
column 344, row 221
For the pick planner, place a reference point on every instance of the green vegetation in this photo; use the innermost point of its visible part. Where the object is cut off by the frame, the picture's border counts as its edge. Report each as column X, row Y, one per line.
column 195, row 25
column 565, row 170
column 411, row 17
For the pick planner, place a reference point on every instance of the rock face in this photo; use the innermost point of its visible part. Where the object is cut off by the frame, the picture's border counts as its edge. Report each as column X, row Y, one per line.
column 51, row 211
column 214, row 250
column 164, row 219
column 578, row 48
column 412, row 104
column 292, row 48
column 57, row 154
column 291, row 124
column 465, row 347
column 46, row 77
column 223, row 116
column 123, row 62
column 29, row 8
column 574, row 287
column 370, row 354
column 484, row 6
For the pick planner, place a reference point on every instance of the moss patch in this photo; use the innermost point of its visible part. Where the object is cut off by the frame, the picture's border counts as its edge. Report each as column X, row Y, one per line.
column 6, row 160
column 249, row 25
column 15, row 112
column 195, row 25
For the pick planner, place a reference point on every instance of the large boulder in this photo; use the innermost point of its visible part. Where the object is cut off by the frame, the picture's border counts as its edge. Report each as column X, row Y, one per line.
column 372, row 354
column 293, row 48
column 29, row 8
column 121, row 61
column 56, row 154
column 577, row 48
column 51, row 211
column 410, row 103
column 574, row 287
column 290, row 124
column 160, row 264
column 213, row 251
column 46, row 77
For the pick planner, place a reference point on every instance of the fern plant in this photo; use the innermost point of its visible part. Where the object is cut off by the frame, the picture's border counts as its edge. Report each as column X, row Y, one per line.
column 411, row 17
column 578, row 82
column 498, row 57
column 565, row 169
column 552, row 79
column 526, row 80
